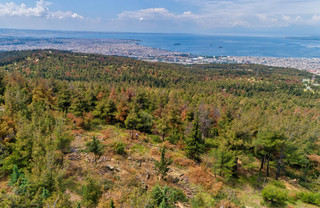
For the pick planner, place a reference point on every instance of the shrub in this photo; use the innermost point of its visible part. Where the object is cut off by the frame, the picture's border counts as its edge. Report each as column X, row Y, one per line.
column 119, row 148
column 226, row 203
column 178, row 195
column 278, row 184
column 155, row 138
column 162, row 166
column 95, row 147
column 166, row 196
column 107, row 184
column 275, row 195
column 97, row 121
column 91, row 193
column 309, row 197
column 197, row 202
column 203, row 200
column 174, row 138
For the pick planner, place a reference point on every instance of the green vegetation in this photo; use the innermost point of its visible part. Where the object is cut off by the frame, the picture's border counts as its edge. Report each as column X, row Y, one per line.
column 195, row 143
column 166, row 197
column 119, row 148
column 275, row 195
column 309, row 197
column 91, row 193
column 233, row 135
column 95, row 147
column 162, row 166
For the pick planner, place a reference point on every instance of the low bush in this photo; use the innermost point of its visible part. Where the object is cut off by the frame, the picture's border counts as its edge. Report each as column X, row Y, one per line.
column 118, row 148
column 91, row 193
column 275, row 195
column 107, row 184
column 166, row 196
column 309, row 197
column 174, row 138
column 155, row 138
column 278, row 184
column 197, row 202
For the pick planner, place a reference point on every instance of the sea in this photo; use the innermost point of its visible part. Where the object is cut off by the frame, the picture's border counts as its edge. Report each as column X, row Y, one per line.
column 203, row 45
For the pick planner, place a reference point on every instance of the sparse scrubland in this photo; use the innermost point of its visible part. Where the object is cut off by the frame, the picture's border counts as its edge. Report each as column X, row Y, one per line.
column 81, row 130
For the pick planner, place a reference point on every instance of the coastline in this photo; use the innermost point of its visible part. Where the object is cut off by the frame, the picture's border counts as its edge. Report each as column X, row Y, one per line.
column 132, row 48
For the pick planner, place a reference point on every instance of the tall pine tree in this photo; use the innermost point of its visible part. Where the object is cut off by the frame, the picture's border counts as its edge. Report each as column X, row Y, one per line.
column 162, row 166
column 194, row 143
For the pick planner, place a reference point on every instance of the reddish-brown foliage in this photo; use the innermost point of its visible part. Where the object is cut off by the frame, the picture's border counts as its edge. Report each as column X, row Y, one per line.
column 204, row 177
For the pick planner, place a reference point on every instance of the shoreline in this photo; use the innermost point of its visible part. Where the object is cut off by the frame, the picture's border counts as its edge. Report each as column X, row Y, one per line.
column 132, row 49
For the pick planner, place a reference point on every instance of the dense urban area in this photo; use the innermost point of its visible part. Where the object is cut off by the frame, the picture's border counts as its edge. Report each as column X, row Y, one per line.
column 132, row 48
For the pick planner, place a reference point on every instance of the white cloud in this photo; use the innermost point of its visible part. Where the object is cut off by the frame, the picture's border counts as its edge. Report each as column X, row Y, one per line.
column 12, row 9
column 40, row 10
column 209, row 14
column 63, row 15
column 75, row 16
column 291, row 20
column 257, row 13
column 156, row 14
column 315, row 19
column 163, row 14
column 146, row 14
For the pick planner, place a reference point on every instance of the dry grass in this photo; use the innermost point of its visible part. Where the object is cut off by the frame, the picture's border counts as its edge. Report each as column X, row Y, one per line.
column 185, row 162
column 137, row 169
column 226, row 204
column 315, row 159
column 168, row 145
column 204, row 177
column 155, row 152
column 4, row 184
column 106, row 134
column 77, row 131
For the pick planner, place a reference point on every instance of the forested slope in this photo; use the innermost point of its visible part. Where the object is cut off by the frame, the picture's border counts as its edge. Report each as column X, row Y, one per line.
column 83, row 130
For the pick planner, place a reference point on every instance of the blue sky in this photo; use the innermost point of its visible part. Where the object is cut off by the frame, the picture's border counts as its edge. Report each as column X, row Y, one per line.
column 176, row 16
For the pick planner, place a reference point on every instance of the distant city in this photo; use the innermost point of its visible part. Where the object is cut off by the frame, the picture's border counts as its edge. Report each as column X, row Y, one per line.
column 132, row 48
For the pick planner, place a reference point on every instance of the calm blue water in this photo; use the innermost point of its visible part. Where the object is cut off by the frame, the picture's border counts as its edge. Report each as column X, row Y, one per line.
column 215, row 45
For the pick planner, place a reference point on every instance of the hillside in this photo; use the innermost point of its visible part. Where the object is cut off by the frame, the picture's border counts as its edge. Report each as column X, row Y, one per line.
column 83, row 130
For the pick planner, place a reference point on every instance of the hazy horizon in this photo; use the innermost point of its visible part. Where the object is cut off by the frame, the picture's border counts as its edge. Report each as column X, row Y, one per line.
column 239, row 34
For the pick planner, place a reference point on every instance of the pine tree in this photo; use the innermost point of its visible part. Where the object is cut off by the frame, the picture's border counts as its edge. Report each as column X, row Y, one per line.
column 112, row 204
column 123, row 110
column 2, row 83
column 195, row 143
column 95, row 147
column 91, row 193
column 79, row 105
column 14, row 176
column 45, row 193
column 268, row 143
column 163, row 164
column 161, row 195
column 166, row 197
column 63, row 142
column 224, row 161
column 164, row 204
column 131, row 122
column 23, row 185
column 142, row 101
column 105, row 110
column 110, row 110
column 162, row 127
column 145, row 122
column 64, row 100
